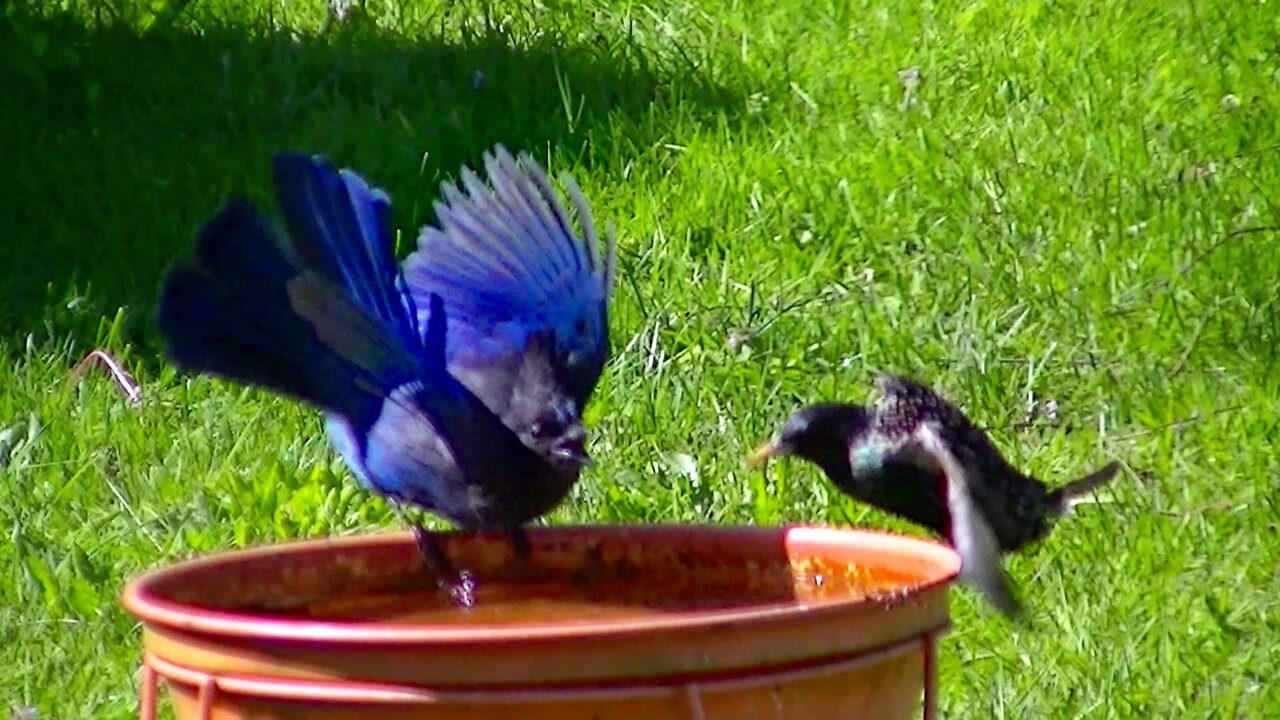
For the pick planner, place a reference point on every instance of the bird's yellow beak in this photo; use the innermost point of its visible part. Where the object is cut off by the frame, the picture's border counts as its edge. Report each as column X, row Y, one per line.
column 761, row 455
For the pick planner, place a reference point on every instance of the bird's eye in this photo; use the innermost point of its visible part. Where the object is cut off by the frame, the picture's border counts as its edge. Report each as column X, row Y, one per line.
column 540, row 430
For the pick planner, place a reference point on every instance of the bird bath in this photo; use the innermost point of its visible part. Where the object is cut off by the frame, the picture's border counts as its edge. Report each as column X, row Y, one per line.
column 601, row 623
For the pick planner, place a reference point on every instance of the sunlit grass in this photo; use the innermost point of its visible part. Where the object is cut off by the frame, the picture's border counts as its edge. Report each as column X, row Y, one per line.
column 1075, row 202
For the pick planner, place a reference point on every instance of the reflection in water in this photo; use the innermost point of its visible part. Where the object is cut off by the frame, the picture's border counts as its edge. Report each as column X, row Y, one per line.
column 558, row 599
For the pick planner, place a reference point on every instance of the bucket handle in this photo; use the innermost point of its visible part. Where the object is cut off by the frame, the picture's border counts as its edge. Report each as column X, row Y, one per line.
column 928, row 647
column 155, row 668
column 693, row 698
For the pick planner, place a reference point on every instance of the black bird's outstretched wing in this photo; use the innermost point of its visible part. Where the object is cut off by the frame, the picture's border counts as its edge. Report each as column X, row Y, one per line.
column 971, row 534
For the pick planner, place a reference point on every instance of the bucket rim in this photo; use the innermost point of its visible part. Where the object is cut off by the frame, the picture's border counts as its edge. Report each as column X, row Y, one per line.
column 141, row 599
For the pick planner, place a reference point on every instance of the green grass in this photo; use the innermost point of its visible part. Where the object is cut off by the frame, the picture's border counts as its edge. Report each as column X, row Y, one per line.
column 1065, row 209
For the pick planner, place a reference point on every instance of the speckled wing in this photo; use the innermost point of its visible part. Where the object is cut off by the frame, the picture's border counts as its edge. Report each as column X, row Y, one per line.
column 506, row 260
column 904, row 404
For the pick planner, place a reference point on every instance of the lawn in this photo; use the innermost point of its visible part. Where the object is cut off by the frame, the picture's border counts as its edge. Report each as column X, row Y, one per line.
column 1062, row 214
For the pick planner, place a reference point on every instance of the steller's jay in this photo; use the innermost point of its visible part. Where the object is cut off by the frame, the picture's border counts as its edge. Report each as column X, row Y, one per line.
column 323, row 315
column 917, row 456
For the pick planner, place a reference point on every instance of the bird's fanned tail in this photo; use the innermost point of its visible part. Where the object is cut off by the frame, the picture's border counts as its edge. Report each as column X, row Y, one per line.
column 244, row 309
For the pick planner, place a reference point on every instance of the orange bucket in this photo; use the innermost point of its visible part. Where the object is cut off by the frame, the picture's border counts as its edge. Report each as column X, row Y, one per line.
column 600, row 623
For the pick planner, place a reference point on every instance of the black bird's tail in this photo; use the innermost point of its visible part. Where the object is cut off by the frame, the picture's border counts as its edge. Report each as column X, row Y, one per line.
column 245, row 310
column 1062, row 499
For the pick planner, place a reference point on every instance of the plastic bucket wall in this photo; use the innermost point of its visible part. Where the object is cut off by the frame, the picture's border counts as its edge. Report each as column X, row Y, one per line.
column 779, row 660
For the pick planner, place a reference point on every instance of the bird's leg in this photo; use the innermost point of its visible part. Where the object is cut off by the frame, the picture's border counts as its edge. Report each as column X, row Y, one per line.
column 520, row 543
column 433, row 556
column 460, row 585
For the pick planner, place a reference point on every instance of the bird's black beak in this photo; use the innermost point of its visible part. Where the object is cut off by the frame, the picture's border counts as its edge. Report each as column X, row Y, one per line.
column 572, row 450
column 762, row 454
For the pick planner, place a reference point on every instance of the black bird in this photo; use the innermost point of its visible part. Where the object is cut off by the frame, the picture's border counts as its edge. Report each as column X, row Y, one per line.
column 917, row 456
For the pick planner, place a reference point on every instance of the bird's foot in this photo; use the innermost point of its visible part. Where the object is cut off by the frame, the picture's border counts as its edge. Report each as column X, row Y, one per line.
column 460, row 585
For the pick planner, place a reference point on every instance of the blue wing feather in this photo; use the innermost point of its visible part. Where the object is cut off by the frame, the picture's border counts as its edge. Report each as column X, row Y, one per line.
column 510, row 267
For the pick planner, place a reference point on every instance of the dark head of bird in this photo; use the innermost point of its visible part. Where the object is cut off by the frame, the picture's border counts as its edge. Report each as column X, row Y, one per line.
column 819, row 434
column 826, row 434
column 547, row 419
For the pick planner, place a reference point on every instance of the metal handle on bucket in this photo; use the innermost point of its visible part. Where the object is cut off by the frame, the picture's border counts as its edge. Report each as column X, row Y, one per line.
column 928, row 644
column 208, row 686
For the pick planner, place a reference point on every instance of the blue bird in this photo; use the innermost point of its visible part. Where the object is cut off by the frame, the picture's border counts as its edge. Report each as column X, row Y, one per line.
column 322, row 315
column 517, row 281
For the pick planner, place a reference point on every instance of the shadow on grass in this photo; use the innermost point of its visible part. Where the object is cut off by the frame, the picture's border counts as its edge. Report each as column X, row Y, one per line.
column 121, row 141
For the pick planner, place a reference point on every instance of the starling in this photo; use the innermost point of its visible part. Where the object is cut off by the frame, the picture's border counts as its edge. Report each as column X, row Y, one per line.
column 917, row 456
